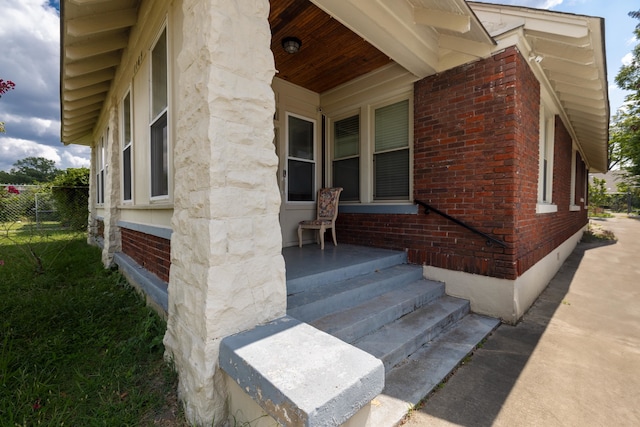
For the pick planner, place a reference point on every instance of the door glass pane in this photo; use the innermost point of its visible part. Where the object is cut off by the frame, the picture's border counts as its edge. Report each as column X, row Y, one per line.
column 301, row 182
column 300, row 138
column 392, row 175
column 346, row 174
column 346, row 137
column 392, row 126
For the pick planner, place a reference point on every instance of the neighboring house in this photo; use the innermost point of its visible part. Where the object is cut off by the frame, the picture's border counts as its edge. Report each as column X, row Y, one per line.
column 612, row 178
column 209, row 142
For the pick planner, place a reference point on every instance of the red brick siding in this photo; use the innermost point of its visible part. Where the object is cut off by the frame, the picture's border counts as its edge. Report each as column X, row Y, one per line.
column 475, row 158
column 540, row 234
column 151, row 252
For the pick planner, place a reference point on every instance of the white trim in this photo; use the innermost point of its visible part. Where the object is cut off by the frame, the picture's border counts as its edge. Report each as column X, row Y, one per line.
column 544, row 208
column 546, row 147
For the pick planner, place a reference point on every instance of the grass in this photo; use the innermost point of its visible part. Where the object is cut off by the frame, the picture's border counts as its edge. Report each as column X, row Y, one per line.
column 78, row 346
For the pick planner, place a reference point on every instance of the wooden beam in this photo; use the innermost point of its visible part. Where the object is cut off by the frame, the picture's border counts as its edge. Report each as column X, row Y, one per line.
column 74, row 121
column 442, row 20
column 87, row 66
column 77, row 112
column 85, row 92
column 94, row 24
column 74, row 83
column 96, row 46
column 84, row 102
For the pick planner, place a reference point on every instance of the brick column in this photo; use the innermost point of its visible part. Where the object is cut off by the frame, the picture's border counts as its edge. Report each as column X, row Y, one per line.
column 227, row 272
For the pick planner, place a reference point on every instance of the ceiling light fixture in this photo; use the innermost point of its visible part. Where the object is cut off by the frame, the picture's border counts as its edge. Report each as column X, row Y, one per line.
column 291, row 44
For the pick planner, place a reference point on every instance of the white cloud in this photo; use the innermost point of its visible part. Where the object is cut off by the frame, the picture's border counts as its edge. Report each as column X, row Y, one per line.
column 30, row 34
column 13, row 149
column 76, row 156
column 626, row 60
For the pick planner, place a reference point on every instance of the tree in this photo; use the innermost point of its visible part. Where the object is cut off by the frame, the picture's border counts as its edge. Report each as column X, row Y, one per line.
column 625, row 130
column 70, row 190
column 5, row 86
column 598, row 193
column 33, row 169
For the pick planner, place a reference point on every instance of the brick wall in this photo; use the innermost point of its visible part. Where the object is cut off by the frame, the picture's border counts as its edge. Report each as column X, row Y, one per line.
column 540, row 234
column 151, row 252
column 476, row 158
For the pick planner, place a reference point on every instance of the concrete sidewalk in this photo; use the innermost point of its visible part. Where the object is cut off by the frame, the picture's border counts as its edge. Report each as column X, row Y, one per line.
column 574, row 360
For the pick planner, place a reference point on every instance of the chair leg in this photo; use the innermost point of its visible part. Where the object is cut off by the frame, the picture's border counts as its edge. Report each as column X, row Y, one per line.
column 333, row 233
column 299, row 236
column 321, row 232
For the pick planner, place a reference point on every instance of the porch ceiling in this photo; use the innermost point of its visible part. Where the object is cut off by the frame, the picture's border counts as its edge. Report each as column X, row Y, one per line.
column 341, row 40
column 330, row 53
column 93, row 34
column 569, row 52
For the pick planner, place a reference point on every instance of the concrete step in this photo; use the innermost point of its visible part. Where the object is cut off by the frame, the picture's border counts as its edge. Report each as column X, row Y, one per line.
column 396, row 341
column 349, row 266
column 408, row 383
column 360, row 320
column 331, row 298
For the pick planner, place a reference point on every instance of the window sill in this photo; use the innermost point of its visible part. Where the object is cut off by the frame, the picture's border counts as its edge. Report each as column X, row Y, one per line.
column 575, row 208
column 167, row 206
column 543, row 208
column 410, row 209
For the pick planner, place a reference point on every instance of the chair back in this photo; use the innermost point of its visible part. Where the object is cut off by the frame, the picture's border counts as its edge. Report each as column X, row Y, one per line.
column 328, row 203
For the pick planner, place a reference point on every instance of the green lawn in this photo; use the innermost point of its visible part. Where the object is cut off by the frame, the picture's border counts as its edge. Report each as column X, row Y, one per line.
column 78, row 347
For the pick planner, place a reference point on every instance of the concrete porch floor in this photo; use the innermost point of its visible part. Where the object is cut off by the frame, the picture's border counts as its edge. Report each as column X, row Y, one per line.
column 311, row 264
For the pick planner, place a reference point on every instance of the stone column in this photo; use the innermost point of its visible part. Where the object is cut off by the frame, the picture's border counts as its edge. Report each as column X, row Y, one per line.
column 112, row 242
column 92, row 224
column 227, row 271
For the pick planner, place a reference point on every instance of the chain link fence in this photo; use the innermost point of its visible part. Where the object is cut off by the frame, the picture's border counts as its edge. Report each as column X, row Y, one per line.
column 43, row 207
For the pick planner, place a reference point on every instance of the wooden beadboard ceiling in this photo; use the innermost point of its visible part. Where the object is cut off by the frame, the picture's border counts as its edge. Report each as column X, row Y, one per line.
column 330, row 54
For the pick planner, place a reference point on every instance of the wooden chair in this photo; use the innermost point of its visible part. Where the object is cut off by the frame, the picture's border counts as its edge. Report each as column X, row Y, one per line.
column 326, row 216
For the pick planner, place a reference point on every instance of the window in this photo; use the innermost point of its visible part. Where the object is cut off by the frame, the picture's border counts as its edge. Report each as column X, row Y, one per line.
column 346, row 158
column 391, row 152
column 100, row 162
column 126, row 149
column 159, row 161
column 579, row 179
column 370, row 148
column 301, row 163
column 545, row 177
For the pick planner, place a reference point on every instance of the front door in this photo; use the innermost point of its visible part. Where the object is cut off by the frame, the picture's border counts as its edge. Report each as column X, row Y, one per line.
column 299, row 170
column 298, row 146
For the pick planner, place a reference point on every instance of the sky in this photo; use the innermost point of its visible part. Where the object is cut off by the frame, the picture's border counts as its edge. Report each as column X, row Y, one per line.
column 30, row 57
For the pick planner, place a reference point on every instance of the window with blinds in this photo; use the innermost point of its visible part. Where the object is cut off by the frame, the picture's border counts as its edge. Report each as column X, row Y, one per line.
column 391, row 152
column 346, row 157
